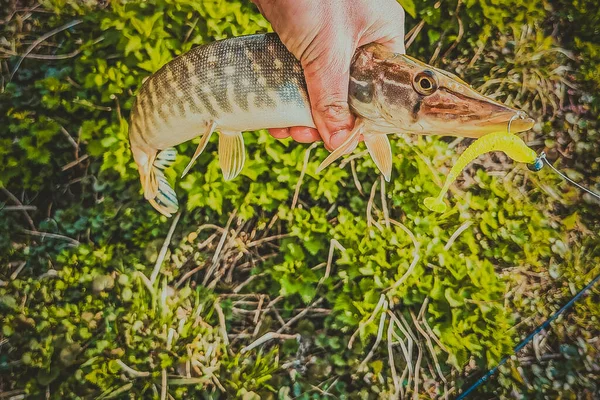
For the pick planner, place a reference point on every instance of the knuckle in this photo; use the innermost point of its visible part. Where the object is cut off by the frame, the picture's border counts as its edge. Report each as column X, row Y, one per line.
column 332, row 110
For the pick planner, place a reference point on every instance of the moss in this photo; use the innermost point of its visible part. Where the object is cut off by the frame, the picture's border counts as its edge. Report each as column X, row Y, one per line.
column 355, row 266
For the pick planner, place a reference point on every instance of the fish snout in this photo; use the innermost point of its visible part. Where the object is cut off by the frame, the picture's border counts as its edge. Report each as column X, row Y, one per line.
column 506, row 119
column 521, row 122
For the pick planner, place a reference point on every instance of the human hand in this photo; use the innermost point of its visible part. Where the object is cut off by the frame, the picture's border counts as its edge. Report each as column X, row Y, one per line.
column 323, row 35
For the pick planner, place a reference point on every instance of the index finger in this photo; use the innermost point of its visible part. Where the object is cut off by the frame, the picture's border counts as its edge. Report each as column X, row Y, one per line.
column 327, row 78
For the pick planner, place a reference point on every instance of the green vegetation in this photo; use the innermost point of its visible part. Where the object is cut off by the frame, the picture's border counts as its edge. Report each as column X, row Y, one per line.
column 361, row 290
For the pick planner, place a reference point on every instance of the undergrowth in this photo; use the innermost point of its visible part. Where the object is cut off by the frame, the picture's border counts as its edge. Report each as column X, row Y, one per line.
column 284, row 282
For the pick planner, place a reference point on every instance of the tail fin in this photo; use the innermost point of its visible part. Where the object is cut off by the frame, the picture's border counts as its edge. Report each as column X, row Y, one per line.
column 157, row 189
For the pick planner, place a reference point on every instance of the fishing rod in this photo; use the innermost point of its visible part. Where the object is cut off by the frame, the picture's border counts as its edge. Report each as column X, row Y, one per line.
column 536, row 166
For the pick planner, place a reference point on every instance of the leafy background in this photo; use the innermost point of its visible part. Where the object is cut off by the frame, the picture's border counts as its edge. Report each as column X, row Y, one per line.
column 357, row 290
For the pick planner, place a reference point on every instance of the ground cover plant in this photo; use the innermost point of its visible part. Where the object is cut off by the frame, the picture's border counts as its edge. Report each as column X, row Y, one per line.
column 285, row 283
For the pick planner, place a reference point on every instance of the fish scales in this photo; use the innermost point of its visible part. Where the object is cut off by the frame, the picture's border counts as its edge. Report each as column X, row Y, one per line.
column 237, row 83
column 253, row 82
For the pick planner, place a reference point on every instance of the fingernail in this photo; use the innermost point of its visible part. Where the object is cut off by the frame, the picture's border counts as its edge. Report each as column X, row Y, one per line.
column 337, row 138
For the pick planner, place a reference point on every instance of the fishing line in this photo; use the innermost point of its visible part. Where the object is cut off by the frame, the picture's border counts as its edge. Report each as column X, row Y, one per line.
column 523, row 343
column 537, row 165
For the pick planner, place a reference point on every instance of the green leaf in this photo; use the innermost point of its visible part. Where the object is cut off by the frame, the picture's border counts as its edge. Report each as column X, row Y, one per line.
column 8, row 302
column 133, row 44
column 314, row 246
column 409, row 7
column 454, row 299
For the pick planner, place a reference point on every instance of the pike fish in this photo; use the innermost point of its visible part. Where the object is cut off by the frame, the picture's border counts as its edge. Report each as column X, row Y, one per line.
column 253, row 82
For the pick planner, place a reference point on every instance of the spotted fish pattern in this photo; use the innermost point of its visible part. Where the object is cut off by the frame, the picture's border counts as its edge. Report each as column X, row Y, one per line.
column 219, row 82
column 253, row 82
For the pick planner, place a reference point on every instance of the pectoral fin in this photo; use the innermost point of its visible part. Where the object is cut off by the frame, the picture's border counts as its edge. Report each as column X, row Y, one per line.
column 203, row 142
column 232, row 154
column 381, row 152
column 348, row 145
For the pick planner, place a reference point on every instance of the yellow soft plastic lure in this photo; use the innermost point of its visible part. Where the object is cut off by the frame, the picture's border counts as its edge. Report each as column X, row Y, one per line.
column 512, row 145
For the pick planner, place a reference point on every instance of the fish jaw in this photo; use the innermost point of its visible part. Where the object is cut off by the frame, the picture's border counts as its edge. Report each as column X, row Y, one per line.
column 468, row 115
column 514, row 122
column 398, row 94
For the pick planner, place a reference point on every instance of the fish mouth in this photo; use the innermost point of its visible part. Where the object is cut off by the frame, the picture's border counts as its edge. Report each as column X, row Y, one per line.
column 470, row 114
column 512, row 121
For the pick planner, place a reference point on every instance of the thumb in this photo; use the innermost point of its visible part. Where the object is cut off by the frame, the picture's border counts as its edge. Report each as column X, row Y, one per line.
column 327, row 80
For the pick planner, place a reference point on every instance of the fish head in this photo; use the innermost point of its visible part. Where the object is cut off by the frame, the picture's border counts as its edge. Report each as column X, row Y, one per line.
column 397, row 93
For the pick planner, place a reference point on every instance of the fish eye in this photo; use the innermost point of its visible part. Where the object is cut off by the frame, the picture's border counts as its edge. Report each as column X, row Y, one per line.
column 425, row 83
